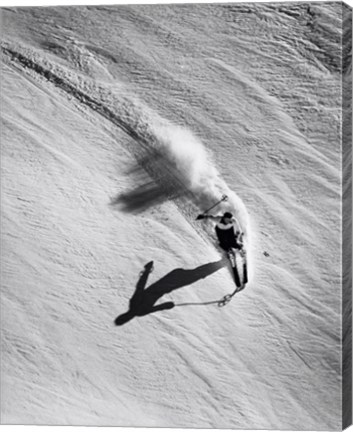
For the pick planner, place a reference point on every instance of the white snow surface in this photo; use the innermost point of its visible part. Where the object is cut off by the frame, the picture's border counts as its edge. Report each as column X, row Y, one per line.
column 120, row 125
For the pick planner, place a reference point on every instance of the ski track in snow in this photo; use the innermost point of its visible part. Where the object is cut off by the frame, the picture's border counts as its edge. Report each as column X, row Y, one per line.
column 113, row 141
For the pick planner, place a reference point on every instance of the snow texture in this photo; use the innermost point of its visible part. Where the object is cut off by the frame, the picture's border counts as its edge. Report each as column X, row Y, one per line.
column 121, row 124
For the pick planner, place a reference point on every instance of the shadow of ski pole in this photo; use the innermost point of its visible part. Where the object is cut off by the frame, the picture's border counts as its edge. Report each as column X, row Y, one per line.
column 198, row 304
column 220, row 303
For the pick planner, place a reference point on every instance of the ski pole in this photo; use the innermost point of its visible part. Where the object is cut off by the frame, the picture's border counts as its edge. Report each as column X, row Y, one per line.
column 224, row 198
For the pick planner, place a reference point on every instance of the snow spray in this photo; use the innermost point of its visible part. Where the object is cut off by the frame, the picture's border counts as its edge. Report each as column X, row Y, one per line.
column 197, row 171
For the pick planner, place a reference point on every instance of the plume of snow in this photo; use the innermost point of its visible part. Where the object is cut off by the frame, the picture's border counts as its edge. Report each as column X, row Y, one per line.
column 195, row 168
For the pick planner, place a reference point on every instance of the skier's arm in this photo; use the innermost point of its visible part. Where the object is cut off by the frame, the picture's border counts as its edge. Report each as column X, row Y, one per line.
column 207, row 216
column 214, row 218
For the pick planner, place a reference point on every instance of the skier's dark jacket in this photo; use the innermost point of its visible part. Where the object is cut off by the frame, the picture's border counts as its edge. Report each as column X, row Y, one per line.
column 226, row 235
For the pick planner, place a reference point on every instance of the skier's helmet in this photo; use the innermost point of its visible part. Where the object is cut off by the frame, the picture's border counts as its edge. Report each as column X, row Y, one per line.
column 227, row 215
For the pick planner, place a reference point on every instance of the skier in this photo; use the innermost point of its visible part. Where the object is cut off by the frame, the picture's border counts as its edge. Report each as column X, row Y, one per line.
column 227, row 230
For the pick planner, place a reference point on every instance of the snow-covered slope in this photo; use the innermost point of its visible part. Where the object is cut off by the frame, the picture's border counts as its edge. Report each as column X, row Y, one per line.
column 119, row 125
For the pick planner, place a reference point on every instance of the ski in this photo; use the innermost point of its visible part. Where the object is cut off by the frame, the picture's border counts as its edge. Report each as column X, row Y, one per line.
column 233, row 263
column 245, row 273
column 236, row 277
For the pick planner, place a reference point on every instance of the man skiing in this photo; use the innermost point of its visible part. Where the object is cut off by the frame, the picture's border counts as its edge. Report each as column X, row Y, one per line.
column 227, row 230
column 230, row 237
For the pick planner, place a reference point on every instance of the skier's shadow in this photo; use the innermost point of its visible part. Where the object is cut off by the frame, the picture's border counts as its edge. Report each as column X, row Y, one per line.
column 143, row 301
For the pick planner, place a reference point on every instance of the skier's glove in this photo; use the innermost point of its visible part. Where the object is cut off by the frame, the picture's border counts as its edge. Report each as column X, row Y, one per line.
column 201, row 216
